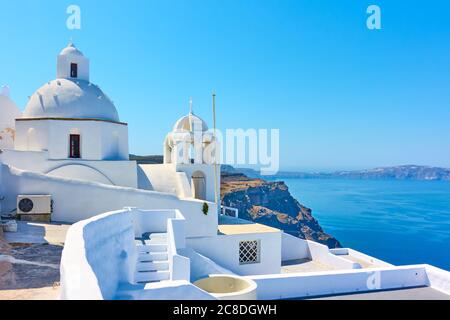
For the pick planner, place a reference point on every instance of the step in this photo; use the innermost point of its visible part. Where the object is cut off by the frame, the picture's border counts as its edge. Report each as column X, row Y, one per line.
column 154, row 235
column 152, row 266
column 152, row 256
column 152, row 247
column 158, row 236
column 139, row 242
column 156, row 247
column 144, row 277
column 155, row 241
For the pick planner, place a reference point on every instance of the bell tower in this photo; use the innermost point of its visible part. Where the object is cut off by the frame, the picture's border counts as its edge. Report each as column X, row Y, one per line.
column 72, row 64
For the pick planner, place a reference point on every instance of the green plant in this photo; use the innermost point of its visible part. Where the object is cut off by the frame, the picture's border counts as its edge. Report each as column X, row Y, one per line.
column 205, row 208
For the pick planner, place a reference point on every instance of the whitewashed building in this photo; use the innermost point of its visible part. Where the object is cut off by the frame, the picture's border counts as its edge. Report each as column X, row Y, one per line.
column 70, row 128
column 158, row 231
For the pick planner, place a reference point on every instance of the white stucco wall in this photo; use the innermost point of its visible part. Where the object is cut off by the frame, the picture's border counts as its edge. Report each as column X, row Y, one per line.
column 293, row 248
column 438, row 279
column 208, row 171
column 99, row 258
column 99, row 254
column 34, row 136
column 120, row 173
column 224, row 250
column 161, row 177
column 202, row 266
column 100, row 140
column 298, row 285
column 78, row 200
column 322, row 254
column 177, row 179
column 77, row 171
column 173, row 290
column 63, row 66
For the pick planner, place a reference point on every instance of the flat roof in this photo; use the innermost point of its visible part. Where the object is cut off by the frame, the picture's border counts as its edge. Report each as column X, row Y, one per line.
column 230, row 225
column 304, row 265
column 364, row 264
column 38, row 232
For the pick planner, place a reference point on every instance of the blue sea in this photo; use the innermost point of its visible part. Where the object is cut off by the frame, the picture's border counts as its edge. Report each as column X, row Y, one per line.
column 401, row 222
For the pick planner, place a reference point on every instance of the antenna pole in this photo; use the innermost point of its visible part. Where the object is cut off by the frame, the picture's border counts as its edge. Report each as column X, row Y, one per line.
column 216, row 192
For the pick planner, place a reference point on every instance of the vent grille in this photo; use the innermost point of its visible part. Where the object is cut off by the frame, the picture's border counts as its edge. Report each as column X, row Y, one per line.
column 249, row 252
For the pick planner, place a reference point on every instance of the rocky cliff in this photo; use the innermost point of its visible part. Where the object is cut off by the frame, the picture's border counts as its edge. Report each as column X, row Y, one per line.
column 271, row 203
column 268, row 203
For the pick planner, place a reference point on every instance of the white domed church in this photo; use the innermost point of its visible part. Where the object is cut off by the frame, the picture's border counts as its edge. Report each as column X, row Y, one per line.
column 71, row 128
column 157, row 231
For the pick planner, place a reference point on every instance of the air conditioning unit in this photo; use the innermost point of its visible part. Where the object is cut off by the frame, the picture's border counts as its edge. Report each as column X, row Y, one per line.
column 34, row 204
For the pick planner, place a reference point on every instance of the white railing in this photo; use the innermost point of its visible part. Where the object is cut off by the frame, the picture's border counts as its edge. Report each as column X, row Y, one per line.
column 229, row 211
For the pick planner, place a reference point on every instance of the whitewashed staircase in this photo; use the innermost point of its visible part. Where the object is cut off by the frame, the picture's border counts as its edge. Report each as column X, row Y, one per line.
column 153, row 263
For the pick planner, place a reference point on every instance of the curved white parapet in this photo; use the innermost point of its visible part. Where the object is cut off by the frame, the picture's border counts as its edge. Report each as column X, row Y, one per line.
column 228, row 287
column 99, row 198
column 99, row 254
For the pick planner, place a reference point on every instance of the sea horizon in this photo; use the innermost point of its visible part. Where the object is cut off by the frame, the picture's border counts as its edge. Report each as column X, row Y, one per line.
column 399, row 221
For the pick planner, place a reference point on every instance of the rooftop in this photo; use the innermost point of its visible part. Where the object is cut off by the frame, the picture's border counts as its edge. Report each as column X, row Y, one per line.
column 230, row 225
column 304, row 265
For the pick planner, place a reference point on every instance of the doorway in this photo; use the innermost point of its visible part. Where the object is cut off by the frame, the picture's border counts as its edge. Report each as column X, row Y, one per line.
column 199, row 185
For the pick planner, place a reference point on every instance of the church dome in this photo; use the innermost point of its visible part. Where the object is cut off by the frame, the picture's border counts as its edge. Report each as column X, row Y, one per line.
column 71, row 50
column 189, row 123
column 71, row 98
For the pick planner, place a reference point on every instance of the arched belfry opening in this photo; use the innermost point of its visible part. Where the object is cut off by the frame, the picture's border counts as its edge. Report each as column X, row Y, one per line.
column 198, row 183
column 188, row 140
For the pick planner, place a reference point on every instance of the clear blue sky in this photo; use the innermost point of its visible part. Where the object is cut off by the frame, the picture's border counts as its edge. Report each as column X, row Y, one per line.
column 342, row 96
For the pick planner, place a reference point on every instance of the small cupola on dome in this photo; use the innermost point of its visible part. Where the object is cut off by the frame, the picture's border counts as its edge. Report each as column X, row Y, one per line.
column 72, row 64
column 190, row 122
column 71, row 95
column 190, row 138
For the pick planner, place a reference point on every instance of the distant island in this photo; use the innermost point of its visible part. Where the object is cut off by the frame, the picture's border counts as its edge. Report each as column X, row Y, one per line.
column 404, row 172
column 271, row 203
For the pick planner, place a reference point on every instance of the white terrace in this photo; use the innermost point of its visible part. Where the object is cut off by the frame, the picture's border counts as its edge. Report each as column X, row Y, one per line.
column 138, row 254
column 70, row 146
